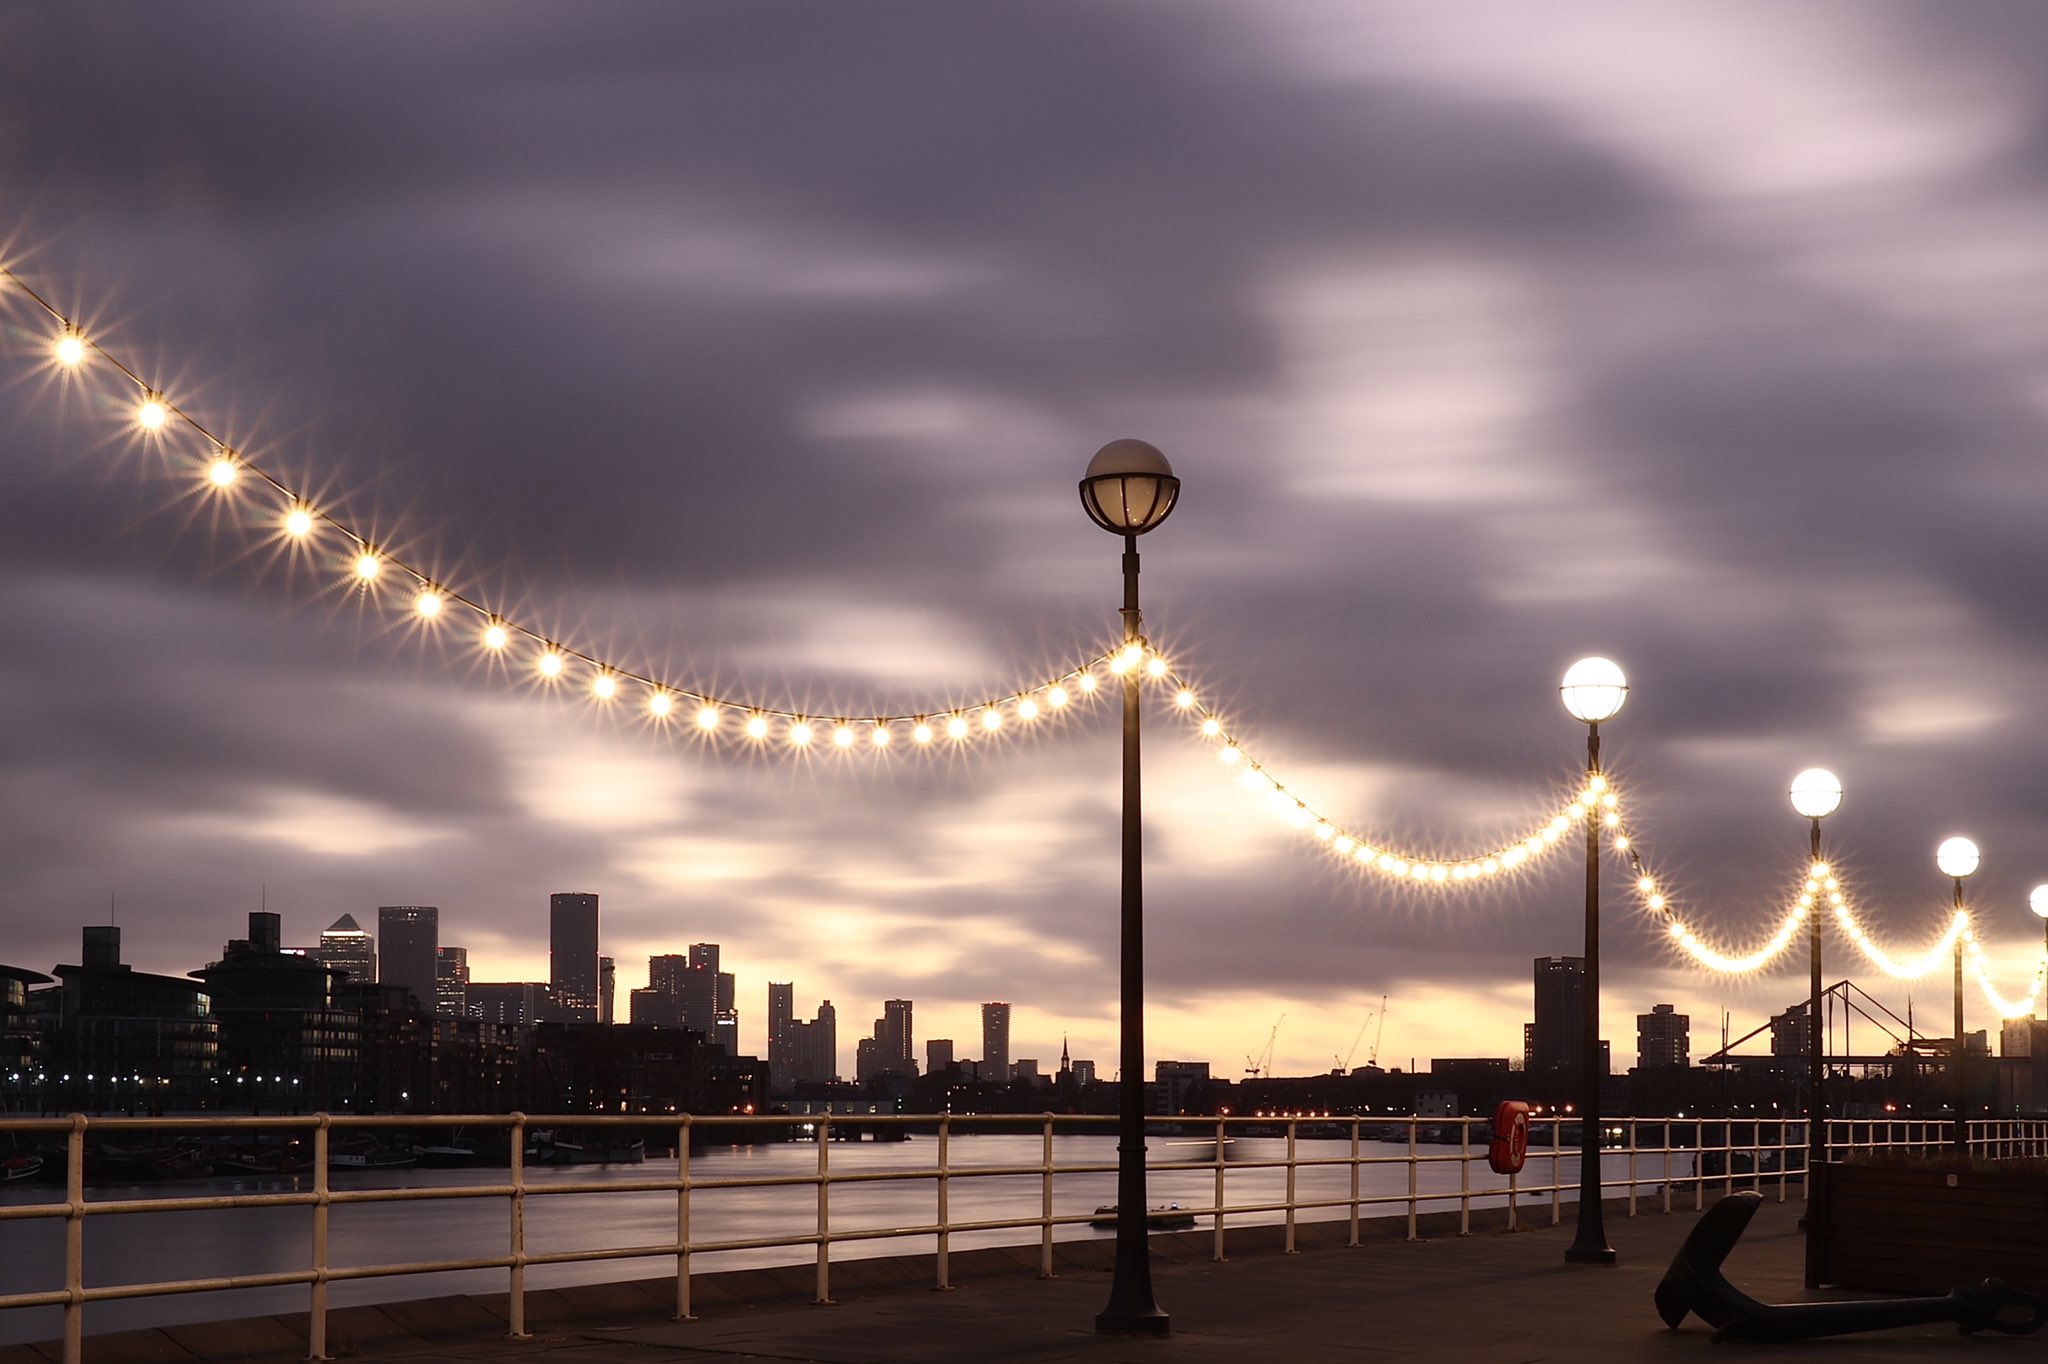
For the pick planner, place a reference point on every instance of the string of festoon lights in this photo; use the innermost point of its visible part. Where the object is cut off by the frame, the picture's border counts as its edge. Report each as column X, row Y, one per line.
column 384, row 575
column 1821, row 886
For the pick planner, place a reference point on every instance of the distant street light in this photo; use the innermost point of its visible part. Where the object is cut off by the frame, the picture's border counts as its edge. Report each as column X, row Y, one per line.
column 1129, row 489
column 1957, row 858
column 1816, row 793
column 1593, row 690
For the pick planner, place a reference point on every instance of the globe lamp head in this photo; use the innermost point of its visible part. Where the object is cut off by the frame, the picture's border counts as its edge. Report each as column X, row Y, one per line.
column 1956, row 857
column 1593, row 690
column 1129, row 487
column 1816, row 793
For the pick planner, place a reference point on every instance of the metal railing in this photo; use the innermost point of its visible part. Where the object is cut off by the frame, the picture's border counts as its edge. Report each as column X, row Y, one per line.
column 1663, row 1156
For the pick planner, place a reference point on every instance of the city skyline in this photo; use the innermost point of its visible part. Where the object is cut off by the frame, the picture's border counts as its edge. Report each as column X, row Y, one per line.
column 764, row 356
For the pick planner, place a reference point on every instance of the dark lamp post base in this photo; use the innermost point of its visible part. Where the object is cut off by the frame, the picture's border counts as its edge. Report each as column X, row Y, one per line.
column 1589, row 1255
column 1111, row 1321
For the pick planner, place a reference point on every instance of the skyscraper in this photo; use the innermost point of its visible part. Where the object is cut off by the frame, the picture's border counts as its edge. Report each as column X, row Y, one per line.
column 408, row 941
column 691, row 988
column 1557, row 1035
column 347, row 946
column 781, row 1032
column 725, row 1017
column 607, row 987
column 995, row 1043
column 451, row 982
column 572, row 954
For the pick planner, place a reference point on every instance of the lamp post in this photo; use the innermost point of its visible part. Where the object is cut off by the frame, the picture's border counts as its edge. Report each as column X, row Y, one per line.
column 1129, row 489
column 1957, row 858
column 2038, row 902
column 1816, row 793
column 1593, row 690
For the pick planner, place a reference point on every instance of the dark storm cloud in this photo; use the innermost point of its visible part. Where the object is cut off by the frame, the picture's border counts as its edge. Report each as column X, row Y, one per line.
column 686, row 331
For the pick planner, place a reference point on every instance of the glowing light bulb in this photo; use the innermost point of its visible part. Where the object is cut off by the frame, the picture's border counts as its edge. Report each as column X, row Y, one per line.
column 1646, row 885
column 495, row 637
column 1184, row 698
column 1324, row 831
column 70, row 349
column 1230, row 753
column 298, row 523
column 1656, row 902
column 428, row 603
column 1087, row 682
column 1118, row 666
column 222, row 471
column 707, row 718
column 1611, row 820
column 879, row 736
column 956, row 728
column 1027, row 709
column 1621, row 842
column 800, row 732
column 368, row 566
column 1212, row 727
column 1155, row 666
column 152, row 415
column 660, row 704
column 1056, row 697
column 550, row 664
column 757, row 726
column 1344, row 843
column 842, row 736
column 1132, row 656
column 605, row 687
column 991, row 719
column 922, row 734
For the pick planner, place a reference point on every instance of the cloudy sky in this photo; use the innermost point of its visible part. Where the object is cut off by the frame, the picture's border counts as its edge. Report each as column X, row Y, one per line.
column 758, row 348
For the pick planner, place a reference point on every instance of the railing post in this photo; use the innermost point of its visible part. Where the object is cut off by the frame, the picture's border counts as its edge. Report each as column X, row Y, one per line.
column 1045, row 1206
column 1292, row 1124
column 1222, row 1136
column 1464, row 1177
column 683, row 1304
column 824, row 1209
column 316, row 1312
column 1667, row 1167
column 515, row 1303
column 74, row 1241
column 1412, row 1167
column 1353, row 1240
column 945, row 1265
column 1556, row 1170
column 1632, row 1167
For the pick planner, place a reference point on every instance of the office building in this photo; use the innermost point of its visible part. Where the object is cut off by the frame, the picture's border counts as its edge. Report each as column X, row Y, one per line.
column 451, row 982
column 408, row 946
column 892, row 1032
column 607, row 987
column 725, row 1018
column 781, row 1030
column 995, row 1043
column 572, row 954
column 938, row 1055
column 691, row 988
column 814, row 1048
column 347, row 946
column 114, row 1023
column 1558, row 1034
column 512, row 1001
column 1663, row 1039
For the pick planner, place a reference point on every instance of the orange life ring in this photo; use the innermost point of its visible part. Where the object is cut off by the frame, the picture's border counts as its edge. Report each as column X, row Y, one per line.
column 1509, row 1147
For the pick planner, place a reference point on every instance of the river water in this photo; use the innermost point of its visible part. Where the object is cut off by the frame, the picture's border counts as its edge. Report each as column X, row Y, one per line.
column 206, row 1243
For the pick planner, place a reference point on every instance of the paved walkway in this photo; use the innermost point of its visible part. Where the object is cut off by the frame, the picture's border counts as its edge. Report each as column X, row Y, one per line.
column 1499, row 1297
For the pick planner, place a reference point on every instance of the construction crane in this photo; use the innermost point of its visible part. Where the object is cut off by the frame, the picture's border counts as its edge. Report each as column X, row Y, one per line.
column 1255, row 1066
column 1344, row 1061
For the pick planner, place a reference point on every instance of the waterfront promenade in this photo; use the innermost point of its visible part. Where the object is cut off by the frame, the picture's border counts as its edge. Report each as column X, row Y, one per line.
column 1491, row 1296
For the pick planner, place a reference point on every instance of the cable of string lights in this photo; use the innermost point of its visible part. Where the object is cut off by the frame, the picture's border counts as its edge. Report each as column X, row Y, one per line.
column 1820, row 884
column 228, row 471
column 373, row 569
